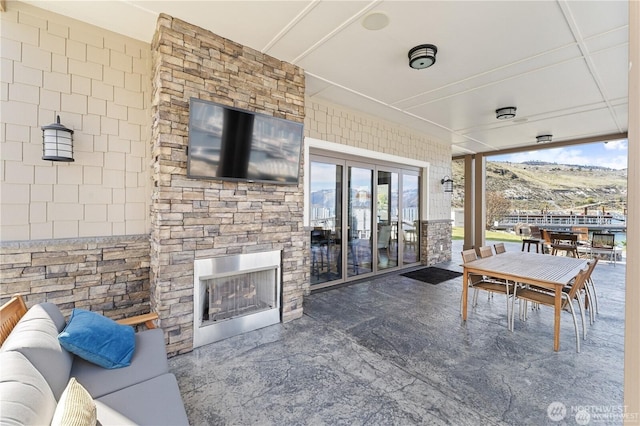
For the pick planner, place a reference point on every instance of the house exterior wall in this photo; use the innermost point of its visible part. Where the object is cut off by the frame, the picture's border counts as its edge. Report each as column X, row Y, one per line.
column 76, row 234
column 99, row 84
column 334, row 123
column 79, row 234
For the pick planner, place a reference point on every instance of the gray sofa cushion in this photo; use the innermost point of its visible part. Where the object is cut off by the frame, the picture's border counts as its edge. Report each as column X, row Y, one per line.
column 26, row 398
column 149, row 360
column 111, row 416
column 36, row 337
column 157, row 402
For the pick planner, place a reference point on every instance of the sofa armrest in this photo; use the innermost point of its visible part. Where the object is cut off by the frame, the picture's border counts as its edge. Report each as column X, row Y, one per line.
column 146, row 319
column 10, row 314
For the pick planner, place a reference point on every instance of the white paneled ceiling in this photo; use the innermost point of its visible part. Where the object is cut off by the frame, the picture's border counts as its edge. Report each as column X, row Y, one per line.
column 563, row 64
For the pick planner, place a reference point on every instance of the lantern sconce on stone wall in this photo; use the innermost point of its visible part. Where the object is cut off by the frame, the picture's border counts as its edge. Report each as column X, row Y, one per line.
column 447, row 184
column 57, row 142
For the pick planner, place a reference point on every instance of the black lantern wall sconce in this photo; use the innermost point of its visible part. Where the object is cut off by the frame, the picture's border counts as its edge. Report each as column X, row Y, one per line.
column 57, row 142
column 447, row 184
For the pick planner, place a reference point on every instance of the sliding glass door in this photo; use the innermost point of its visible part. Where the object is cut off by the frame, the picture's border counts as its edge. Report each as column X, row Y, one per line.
column 387, row 219
column 326, row 221
column 364, row 219
column 360, row 211
column 410, row 215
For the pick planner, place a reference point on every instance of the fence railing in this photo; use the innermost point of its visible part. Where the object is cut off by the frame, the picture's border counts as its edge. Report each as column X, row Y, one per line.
column 563, row 219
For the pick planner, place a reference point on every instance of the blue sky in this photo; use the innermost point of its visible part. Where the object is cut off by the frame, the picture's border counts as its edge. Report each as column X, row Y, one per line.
column 612, row 154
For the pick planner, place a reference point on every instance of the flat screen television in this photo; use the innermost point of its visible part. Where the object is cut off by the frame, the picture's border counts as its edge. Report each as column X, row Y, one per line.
column 234, row 144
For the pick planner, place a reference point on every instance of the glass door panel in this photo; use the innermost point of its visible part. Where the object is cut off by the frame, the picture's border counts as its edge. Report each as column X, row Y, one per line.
column 387, row 215
column 410, row 219
column 359, row 213
column 325, row 183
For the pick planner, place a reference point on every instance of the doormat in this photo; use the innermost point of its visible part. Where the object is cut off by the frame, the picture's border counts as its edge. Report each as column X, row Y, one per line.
column 432, row 275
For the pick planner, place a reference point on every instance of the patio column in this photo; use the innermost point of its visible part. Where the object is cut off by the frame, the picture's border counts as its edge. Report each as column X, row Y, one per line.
column 468, row 202
column 474, row 200
column 479, row 210
column 632, row 297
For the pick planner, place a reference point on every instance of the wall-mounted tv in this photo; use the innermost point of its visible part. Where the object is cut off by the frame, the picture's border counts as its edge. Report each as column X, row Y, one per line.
column 234, row 144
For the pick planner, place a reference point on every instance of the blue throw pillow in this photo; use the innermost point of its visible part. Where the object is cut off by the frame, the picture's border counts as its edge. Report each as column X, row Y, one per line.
column 98, row 339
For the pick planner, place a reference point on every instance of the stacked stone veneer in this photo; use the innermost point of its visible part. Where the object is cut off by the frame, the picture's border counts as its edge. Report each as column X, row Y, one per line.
column 435, row 234
column 109, row 275
column 193, row 218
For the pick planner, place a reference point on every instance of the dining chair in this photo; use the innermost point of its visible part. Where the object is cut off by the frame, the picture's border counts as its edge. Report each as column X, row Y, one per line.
column 480, row 282
column 384, row 238
column 485, row 251
column 593, row 300
column 547, row 298
column 590, row 299
column 409, row 238
column 546, row 241
column 583, row 235
column 566, row 243
column 534, row 238
column 602, row 244
column 499, row 248
column 318, row 245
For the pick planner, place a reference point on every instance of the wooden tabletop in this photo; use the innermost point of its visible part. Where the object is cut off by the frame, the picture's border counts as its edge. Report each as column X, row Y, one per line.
column 529, row 268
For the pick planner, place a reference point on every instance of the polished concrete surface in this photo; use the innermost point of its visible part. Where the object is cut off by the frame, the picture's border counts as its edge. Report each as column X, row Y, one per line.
column 394, row 351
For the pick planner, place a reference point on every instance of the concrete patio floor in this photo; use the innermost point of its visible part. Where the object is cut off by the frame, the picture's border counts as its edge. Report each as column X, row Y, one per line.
column 392, row 350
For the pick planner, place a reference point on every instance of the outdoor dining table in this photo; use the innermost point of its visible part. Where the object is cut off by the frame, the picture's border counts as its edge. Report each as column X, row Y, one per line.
column 552, row 272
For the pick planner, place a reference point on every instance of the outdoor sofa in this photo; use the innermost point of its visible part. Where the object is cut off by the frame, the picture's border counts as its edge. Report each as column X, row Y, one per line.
column 36, row 374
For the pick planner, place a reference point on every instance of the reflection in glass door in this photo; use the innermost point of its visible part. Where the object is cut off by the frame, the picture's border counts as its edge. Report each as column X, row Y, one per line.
column 410, row 219
column 359, row 211
column 326, row 220
column 387, row 215
column 364, row 219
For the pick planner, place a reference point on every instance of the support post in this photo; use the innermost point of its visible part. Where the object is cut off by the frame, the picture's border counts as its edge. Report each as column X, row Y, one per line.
column 468, row 202
column 632, row 313
column 479, row 211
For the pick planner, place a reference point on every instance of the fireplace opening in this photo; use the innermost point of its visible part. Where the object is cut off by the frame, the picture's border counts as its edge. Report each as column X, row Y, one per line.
column 235, row 294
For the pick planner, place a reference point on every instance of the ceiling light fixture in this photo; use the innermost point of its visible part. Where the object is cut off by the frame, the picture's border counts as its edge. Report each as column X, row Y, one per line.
column 505, row 113
column 543, row 138
column 422, row 56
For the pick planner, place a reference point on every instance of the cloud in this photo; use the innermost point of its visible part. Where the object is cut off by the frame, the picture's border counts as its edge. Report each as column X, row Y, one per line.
column 583, row 156
column 617, row 162
column 553, row 155
column 618, row 145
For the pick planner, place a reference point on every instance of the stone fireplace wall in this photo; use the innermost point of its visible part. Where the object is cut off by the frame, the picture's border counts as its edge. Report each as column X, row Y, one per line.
column 194, row 218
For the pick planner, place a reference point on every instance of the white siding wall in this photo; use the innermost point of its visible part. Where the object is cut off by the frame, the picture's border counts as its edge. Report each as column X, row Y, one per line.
column 333, row 123
column 99, row 84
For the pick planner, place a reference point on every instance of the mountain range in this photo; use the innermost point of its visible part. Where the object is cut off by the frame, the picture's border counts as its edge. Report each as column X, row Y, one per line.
column 535, row 186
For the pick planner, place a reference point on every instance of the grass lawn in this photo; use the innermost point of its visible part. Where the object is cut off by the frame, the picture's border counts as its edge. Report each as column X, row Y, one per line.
column 458, row 234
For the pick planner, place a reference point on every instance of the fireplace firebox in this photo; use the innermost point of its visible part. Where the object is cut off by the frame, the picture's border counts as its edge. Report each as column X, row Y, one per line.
column 235, row 294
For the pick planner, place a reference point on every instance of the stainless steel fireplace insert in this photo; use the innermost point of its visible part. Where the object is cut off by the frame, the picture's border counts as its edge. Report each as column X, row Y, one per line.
column 235, row 294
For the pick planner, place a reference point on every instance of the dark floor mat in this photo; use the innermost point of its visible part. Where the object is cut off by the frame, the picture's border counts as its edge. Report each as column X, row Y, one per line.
column 432, row 275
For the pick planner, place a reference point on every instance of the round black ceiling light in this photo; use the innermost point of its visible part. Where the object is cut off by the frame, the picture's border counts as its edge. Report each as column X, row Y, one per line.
column 422, row 56
column 506, row 113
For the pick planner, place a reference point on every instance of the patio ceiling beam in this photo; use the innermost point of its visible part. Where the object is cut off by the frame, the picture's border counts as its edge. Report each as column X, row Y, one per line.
column 580, row 141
